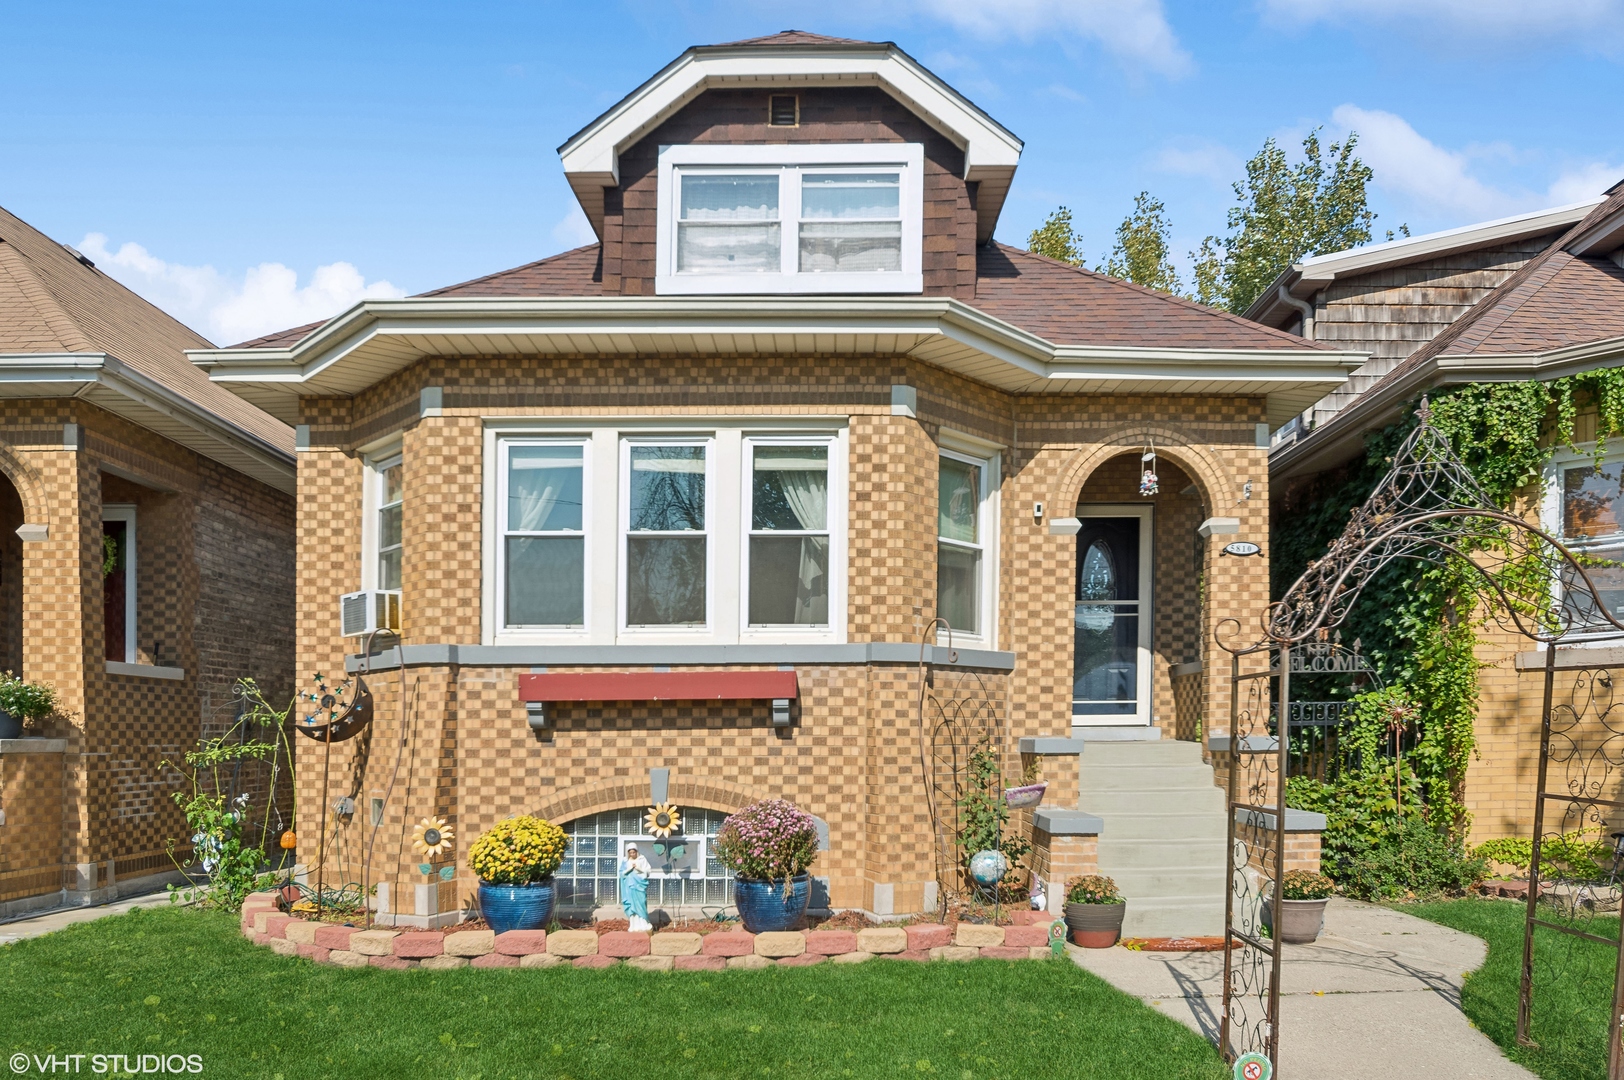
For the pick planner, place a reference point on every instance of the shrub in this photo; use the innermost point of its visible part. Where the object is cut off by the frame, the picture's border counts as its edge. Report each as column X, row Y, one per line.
column 26, row 700
column 1306, row 885
column 1415, row 861
column 518, row 851
column 1571, row 855
column 1092, row 889
column 768, row 840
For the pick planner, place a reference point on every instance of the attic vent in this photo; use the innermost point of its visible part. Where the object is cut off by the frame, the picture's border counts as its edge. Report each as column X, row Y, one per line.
column 78, row 255
column 783, row 110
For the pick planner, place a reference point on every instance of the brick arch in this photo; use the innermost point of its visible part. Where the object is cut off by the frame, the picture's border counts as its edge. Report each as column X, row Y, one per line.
column 1198, row 462
column 30, row 487
column 589, row 799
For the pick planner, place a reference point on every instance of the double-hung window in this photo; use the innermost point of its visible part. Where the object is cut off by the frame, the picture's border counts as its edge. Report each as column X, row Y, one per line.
column 966, row 542
column 801, row 218
column 667, row 553
column 544, row 555
column 1589, row 507
column 118, row 583
column 788, row 578
column 389, row 488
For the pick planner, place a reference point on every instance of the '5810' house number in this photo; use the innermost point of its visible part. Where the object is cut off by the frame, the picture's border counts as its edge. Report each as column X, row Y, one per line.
column 1242, row 547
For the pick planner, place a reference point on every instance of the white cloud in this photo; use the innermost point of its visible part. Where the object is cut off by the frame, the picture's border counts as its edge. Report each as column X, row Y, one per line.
column 574, row 230
column 1429, row 176
column 226, row 310
column 1510, row 20
column 1209, row 160
column 1136, row 31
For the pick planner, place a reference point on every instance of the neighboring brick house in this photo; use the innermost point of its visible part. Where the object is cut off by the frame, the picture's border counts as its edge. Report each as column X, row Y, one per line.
column 793, row 406
column 1535, row 297
column 146, row 562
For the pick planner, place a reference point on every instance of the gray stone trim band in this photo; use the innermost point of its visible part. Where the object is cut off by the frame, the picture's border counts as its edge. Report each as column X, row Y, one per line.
column 1296, row 820
column 1051, row 746
column 542, row 656
column 1057, row 822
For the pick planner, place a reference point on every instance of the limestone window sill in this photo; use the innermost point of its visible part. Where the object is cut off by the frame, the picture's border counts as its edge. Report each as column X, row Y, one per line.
column 146, row 671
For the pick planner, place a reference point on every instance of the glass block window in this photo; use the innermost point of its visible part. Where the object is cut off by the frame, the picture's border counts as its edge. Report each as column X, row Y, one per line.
column 685, row 870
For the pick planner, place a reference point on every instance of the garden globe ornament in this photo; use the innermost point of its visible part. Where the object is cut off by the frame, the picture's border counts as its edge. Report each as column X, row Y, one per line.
column 988, row 867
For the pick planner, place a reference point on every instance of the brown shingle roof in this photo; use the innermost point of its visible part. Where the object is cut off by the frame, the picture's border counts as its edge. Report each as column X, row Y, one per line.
column 291, row 336
column 51, row 301
column 1071, row 306
column 573, row 273
column 793, row 37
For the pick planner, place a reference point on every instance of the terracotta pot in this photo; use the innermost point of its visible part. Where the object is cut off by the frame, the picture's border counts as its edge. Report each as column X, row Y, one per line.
column 1095, row 926
column 1300, row 920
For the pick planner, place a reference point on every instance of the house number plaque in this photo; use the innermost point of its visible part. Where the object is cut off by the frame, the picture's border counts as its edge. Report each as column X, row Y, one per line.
column 1242, row 547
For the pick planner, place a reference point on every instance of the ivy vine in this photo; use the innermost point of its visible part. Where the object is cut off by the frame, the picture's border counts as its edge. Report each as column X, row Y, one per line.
column 1417, row 620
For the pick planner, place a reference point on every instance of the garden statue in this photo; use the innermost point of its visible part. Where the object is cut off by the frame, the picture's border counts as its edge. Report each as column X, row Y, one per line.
column 634, row 872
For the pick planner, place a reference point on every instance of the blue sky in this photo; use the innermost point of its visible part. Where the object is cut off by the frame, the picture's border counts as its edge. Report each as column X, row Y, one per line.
column 251, row 167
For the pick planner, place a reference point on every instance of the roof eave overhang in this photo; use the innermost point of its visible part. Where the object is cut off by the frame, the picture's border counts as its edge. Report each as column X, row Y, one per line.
column 591, row 157
column 109, row 384
column 1342, row 437
column 377, row 338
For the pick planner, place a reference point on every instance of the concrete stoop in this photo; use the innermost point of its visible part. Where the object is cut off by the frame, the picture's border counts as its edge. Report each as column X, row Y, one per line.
column 1163, row 835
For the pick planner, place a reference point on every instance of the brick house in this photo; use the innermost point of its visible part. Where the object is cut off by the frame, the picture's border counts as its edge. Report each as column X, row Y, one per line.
column 1533, row 297
column 146, row 562
column 727, row 465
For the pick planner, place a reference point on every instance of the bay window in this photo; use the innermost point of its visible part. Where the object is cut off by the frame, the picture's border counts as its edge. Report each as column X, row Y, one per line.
column 387, row 476
column 789, row 535
column 966, row 542
column 803, row 218
column 543, row 567
column 667, row 554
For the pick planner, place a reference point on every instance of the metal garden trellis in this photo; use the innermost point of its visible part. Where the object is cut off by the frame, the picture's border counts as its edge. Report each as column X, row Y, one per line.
column 1428, row 508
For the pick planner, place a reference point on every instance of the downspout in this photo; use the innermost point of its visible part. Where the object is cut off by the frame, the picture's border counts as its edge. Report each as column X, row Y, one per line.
column 1303, row 308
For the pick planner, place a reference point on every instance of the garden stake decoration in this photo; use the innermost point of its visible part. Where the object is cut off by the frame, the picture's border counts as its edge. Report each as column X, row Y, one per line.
column 332, row 714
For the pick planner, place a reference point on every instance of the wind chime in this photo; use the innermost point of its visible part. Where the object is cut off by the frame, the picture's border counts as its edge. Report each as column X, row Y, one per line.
column 1148, row 483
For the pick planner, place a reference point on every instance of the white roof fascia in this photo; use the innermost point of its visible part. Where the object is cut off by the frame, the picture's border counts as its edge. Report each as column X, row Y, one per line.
column 147, row 403
column 591, row 158
column 316, row 366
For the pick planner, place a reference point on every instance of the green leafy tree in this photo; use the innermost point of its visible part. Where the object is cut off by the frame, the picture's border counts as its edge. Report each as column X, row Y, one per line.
column 1056, row 239
column 1141, row 251
column 1282, row 213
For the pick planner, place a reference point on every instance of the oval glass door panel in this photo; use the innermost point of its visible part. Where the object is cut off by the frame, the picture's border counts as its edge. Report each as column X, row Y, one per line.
column 1105, row 680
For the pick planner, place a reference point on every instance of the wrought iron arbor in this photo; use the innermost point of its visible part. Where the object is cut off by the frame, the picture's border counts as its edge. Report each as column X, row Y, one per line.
column 1428, row 508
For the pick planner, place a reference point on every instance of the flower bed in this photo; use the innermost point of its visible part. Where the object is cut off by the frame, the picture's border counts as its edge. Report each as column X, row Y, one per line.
column 666, row 950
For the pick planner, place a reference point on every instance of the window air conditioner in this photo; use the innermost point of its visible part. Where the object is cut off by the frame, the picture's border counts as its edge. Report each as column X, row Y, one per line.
column 369, row 612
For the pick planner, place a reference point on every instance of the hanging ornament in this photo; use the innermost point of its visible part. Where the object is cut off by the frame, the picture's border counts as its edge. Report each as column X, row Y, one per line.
column 289, row 840
column 1148, row 484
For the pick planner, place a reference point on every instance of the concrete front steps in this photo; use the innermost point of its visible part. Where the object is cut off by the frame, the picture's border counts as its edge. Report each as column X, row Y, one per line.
column 1163, row 834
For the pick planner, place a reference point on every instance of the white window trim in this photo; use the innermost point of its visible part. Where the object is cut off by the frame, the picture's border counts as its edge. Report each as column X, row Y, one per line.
column 989, row 527
column 1147, row 608
column 788, row 159
column 603, row 517
column 1551, row 520
column 575, row 635
column 373, row 465
column 835, row 524
column 714, row 450
column 125, row 512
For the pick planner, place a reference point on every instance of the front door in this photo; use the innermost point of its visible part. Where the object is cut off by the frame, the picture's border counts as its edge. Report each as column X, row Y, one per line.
column 1111, row 672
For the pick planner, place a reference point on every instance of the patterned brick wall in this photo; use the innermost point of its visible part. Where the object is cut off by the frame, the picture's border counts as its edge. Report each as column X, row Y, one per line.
column 31, row 793
column 853, row 757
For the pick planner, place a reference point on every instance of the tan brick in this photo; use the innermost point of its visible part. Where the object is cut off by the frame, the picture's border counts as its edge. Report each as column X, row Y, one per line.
column 301, row 932
column 346, row 958
column 443, row 962
column 673, row 943
column 541, row 960
column 651, row 963
column 373, row 942
column 470, row 943
column 954, row 952
column 975, row 936
column 882, row 939
column 852, row 957
column 284, row 947
column 573, row 943
column 778, row 943
column 748, row 963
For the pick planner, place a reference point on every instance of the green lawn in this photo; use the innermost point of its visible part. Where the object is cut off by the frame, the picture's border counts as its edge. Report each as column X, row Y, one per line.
column 184, row 982
column 1573, row 981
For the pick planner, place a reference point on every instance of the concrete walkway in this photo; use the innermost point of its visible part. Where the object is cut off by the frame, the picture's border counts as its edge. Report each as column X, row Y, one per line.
column 1377, row 995
column 35, row 925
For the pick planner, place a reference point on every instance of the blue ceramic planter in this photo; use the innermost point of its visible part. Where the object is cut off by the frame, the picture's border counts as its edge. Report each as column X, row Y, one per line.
column 763, row 906
column 516, row 907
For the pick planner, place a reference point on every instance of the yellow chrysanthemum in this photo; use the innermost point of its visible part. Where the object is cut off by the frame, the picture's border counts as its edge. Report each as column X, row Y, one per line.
column 662, row 820
column 432, row 837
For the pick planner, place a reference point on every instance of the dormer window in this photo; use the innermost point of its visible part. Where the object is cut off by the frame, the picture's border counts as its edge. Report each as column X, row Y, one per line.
column 807, row 218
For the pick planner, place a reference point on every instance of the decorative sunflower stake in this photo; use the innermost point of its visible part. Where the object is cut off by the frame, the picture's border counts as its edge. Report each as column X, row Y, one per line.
column 432, row 837
column 663, row 820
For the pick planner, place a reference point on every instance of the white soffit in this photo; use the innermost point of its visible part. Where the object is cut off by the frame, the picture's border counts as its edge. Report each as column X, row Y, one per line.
column 591, row 157
column 377, row 338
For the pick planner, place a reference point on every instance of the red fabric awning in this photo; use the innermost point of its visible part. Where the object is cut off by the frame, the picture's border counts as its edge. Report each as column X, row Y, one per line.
column 658, row 686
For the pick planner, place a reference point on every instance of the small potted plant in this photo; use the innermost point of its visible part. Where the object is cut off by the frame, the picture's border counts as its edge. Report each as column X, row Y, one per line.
column 1094, row 911
column 1304, row 895
column 769, row 845
column 22, row 701
column 514, row 862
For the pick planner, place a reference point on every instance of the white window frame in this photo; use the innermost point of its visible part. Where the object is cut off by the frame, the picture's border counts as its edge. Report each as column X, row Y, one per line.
column 373, row 464
column 623, row 536
column 125, row 512
column 561, row 634
column 1147, row 611
column 790, row 161
column 1551, row 520
column 607, row 462
column 835, row 525
column 988, row 457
